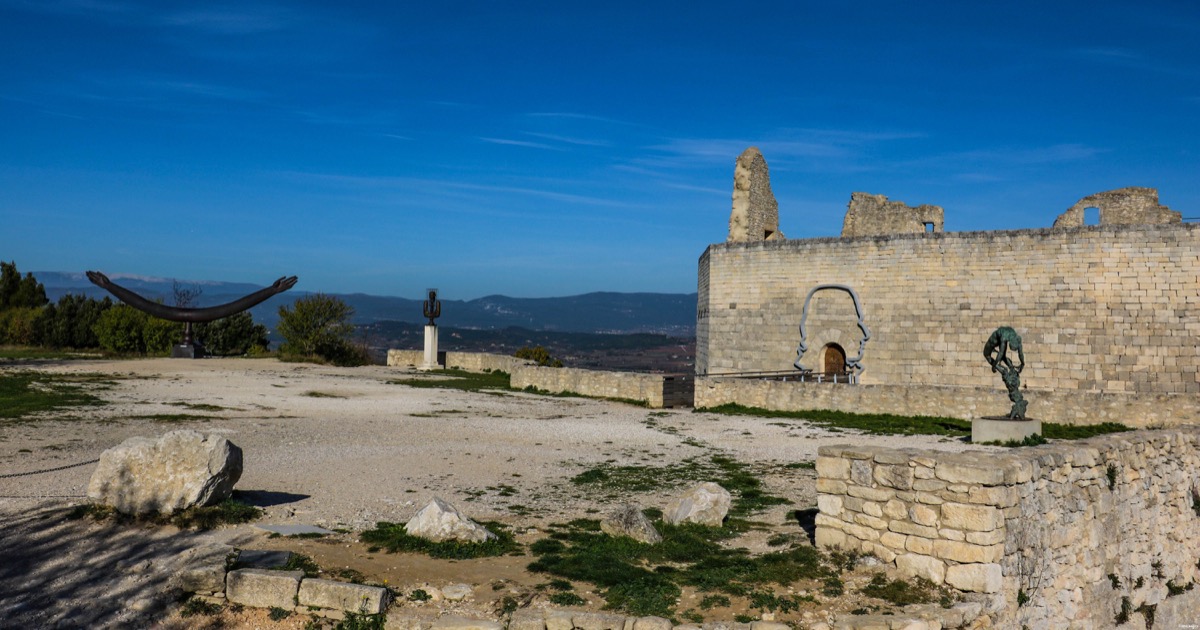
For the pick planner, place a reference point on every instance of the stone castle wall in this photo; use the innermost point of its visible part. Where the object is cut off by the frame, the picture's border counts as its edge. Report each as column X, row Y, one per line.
column 1102, row 310
column 1054, row 536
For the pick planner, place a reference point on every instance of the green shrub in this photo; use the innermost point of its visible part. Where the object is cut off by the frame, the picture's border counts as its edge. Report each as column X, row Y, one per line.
column 318, row 328
column 233, row 336
column 539, row 355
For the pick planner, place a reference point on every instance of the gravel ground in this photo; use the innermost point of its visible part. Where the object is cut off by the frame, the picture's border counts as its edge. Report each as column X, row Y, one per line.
column 340, row 448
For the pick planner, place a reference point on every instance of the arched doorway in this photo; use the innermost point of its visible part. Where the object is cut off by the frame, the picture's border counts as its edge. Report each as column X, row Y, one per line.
column 834, row 360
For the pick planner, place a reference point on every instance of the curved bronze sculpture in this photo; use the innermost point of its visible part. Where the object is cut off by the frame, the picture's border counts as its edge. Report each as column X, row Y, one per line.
column 190, row 316
column 996, row 352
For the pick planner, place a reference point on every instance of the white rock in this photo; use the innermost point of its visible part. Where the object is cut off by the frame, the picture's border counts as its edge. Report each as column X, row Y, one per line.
column 181, row 469
column 706, row 504
column 439, row 521
column 457, row 592
column 629, row 521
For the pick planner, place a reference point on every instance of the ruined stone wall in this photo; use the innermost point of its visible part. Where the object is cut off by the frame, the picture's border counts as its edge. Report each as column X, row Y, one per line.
column 469, row 361
column 1102, row 310
column 647, row 388
column 755, row 213
column 1045, row 537
column 1123, row 206
column 873, row 215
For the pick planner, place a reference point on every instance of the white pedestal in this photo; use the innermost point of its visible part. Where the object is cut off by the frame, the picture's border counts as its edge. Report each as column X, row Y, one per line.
column 431, row 349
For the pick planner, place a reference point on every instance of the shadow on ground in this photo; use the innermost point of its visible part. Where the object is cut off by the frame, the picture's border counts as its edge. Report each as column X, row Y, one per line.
column 58, row 572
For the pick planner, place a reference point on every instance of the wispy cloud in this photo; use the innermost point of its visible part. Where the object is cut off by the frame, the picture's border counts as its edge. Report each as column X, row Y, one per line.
column 577, row 116
column 521, row 143
column 569, row 139
column 1121, row 55
column 241, row 21
column 1022, row 156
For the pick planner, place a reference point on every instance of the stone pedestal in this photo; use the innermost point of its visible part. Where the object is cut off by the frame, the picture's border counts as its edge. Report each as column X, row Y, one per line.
column 187, row 351
column 1003, row 429
column 431, row 349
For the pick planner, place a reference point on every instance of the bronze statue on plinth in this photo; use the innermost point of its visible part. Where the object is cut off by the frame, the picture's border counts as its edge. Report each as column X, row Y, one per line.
column 1001, row 341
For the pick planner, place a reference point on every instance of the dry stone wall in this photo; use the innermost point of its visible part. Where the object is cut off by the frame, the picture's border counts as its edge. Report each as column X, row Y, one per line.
column 1102, row 310
column 1056, row 536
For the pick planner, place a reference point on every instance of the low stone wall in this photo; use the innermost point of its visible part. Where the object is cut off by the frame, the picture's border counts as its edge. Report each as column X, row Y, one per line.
column 1135, row 410
column 1060, row 535
column 656, row 390
column 469, row 361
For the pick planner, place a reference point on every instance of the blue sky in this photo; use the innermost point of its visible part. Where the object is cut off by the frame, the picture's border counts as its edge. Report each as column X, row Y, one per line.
column 556, row 148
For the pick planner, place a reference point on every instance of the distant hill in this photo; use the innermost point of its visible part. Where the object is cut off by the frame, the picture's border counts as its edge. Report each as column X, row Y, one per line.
column 606, row 312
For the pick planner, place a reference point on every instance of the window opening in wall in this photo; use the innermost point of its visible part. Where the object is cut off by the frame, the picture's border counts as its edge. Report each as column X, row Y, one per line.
column 834, row 359
column 929, row 228
column 1091, row 216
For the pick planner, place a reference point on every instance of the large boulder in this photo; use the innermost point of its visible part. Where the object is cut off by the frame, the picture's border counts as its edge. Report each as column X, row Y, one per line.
column 630, row 521
column 706, row 504
column 182, row 469
column 439, row 521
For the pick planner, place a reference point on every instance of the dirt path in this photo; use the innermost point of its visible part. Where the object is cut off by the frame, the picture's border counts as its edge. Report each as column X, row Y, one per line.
column 344, row 448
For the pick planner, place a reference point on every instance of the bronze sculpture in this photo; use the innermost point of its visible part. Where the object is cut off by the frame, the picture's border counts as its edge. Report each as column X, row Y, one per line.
column 432, row 308
column 189, row 316
column 1001, row 341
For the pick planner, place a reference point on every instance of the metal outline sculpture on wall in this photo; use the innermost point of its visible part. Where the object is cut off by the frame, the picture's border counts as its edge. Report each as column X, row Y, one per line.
column 853, row 365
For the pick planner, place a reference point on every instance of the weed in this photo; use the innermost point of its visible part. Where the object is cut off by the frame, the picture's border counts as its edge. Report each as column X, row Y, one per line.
column 508, row 605
column 228, row 512
column 902, row 593
column 394, row 538
column 279, row 614
column 560, row 585
column 1148, row 611
column 194, row 606
column 779, row 540
column 744, row 618
column 1116, row 581
column 313, row 394
column 354, row 621
column 1022, row 598
column 1110, row 473
column 1123, row 614
column 764, row 600
column 844, row 560
column 567, row 599
column 712, row 601
column 692, row 616
column 1139, row 583
column 1157, row 565
column 833, row 586
column 1030, row 440
column 1080, row 431
column 171, row 417
column 1173, row 590
column 301, row 562
column 201, row 406
column 801, row 466
column 1196, row 500
column 461, row 380
column 419, row 595
column 352, row 576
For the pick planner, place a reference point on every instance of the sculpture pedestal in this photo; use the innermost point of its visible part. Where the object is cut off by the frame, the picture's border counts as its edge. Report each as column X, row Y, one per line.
column 431, row 349
column 995, row 429
column 187, row 351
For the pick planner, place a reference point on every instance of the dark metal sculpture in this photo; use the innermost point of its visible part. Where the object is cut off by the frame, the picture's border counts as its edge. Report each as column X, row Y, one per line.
column 1001, row 341
column 189, row 316
column 432, row 308
column 853, row 364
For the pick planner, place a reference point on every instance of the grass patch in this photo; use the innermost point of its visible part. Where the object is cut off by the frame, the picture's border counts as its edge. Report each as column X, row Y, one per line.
column 394, row 538
column 730, row 474
column 460, row 380
column 201, row 406
column 313, row 394
column 903, row 593
column 22, row 353
column 194, row 607
column 1030, row 440
column 1078, row 432
column 567, row 599
column 642, row 579
column 27, row 393
column 172, row 417
column 228, row 512
column 877, row 423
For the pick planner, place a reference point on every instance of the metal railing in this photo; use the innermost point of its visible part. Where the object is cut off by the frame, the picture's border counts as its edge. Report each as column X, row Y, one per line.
column 840, row 378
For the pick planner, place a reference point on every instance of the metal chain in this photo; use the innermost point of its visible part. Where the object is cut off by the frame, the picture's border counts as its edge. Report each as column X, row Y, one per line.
column 38, row 472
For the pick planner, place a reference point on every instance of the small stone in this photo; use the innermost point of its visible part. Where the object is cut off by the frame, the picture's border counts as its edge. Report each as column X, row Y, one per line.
column 629, row 521
column 439, row 521
column 465, row 623
column 598, row 621
column 457, row 592
column 706, row 504
column 652, row 623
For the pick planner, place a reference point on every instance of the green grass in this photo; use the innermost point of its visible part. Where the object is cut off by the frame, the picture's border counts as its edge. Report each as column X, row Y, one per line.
column 228, row 512
column 734, row 476
column 903, row 593
column 877, row 423
column 394, row 538
column 321, row 395
column 496, row 381
column 642, row 579
column 19, row 353
column 201, row 406
column 172, row 417
column 890, row 424
column 28, row 393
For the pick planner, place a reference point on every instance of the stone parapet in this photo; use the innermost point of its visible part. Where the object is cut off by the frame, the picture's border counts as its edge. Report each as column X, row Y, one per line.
column 1055, row 535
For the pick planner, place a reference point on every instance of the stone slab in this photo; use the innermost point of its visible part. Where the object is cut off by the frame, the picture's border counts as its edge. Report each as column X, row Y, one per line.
column 1003, row 430
column 355, row 598
column 263, row 588
column 263, row 559
column 294, row 530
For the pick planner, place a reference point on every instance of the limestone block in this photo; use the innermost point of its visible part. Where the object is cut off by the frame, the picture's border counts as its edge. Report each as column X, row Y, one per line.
column 650, row 623
column 893, row 540
column 598, row 621
column 208, row 578
column 833, row 467
column 457, row 592
column 559, row 619
column 915, row 565
column 829, row 504
column 452, row 622
column 263, row 588
column 181, row 469
column 967, row 552
column 629, row 521
column 978, row 518
column 912, row 529
column 923, row 515
column 916, row 544
column 899, row 477
column 827, row 537
column 528, row 619
column 439, row 521
column 707, row 504
column 975, row 578
column 895, row 509
column 355, row 598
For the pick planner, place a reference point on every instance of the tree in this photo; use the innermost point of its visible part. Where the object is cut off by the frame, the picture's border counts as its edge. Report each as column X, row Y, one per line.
column 18, row 292
column 538, row 354
column 233, row 335
column 69, row 323
column 318, row 327
column 125, row 330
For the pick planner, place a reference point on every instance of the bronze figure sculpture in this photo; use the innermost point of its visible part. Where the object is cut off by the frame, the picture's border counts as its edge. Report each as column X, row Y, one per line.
column 1001, row 341
column 189, row 316
column 432, row 308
